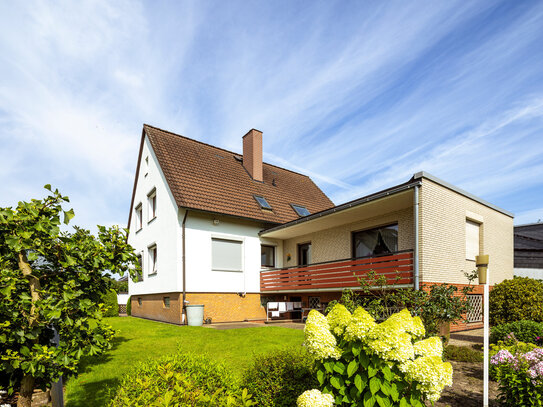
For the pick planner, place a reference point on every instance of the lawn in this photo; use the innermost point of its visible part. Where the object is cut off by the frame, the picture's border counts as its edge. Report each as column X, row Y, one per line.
column 139, row 339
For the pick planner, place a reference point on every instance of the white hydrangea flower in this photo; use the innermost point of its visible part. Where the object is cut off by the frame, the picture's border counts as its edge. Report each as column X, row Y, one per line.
column 318, row 339
column 431, row 372
column 338, row 319
column 314, row 398
column 429, row 347
column 360, row 325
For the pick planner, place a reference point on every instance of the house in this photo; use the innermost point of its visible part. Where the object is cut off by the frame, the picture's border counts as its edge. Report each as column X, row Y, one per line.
column 529, row 250
column 233, row 233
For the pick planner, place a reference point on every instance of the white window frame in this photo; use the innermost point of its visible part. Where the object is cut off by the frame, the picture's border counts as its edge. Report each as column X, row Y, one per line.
column 233, row 239
column 473, row 239
column 152, row 259
column 139, row 217
column 152, row 205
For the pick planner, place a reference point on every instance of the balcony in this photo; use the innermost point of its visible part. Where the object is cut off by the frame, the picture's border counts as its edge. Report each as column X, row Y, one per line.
column 339, row 274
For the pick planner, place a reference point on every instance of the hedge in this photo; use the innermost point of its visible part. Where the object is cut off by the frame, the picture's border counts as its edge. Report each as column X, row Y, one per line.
column 277, row 379
column 515, row 300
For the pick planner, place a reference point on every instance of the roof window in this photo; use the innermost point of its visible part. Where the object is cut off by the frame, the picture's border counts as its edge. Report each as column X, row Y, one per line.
column 300, row 210
column 262, row 202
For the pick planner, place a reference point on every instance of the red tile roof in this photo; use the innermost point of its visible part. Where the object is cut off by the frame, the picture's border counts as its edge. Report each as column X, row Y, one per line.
column 208, row 178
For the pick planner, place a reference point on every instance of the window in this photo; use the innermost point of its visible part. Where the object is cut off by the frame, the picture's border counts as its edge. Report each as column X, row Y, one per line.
column 304, row 254
column 151, row 199
column 314, row 302
column 140, row 265
column 262, row 202
column 300, row 210
column 152, row 260
column 472, row 239
column 475, row 314
column 166, row 302
column 377, row 241
column 139, row 217
column 267, row 256
column 139, row 301
column 226, row 255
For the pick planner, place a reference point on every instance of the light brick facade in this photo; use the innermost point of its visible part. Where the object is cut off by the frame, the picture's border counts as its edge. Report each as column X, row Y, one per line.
column 442, row 231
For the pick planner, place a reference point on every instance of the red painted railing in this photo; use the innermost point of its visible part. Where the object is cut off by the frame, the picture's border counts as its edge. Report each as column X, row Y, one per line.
column 397, row 268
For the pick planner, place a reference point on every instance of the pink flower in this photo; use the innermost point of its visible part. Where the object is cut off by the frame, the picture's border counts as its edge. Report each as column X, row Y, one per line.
column 503, row 356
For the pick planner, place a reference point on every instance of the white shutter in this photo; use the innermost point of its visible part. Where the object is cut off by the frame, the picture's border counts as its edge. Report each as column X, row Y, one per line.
column 472, row 239
column 226, row 255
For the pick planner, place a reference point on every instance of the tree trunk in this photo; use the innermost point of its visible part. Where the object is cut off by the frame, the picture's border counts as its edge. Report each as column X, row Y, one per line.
column 25, row 393
column 27, row 384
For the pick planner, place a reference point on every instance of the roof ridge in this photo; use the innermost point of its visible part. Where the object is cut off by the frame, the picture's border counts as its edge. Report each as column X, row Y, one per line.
column 220, row 148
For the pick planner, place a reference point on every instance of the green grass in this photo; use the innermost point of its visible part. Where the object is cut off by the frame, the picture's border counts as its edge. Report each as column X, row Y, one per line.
column 139, row 339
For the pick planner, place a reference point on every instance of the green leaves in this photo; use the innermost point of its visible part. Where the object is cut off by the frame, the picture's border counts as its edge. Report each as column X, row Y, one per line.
column 352, row 368
column 68, row 215
column 375, row 385
column 65, row 270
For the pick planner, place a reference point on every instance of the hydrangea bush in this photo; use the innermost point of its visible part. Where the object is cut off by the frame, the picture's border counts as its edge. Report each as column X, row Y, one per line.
column 520, row 377
column 361, row 362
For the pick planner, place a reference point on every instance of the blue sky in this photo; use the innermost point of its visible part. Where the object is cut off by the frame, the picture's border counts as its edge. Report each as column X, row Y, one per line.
column 359, row 95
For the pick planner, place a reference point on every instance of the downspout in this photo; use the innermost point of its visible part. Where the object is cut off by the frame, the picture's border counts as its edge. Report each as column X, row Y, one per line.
column 416, row 248
column 184, row 264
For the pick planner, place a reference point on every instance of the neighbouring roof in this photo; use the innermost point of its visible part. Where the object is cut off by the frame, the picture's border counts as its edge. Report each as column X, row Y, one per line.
column 529, row 246
column 208, row 178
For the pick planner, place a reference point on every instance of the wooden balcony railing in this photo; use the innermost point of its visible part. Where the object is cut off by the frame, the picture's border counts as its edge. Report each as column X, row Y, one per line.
column 397, row 268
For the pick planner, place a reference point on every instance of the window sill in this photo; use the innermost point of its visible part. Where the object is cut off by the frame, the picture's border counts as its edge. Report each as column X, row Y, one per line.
column 473, row 260
column 137, row 231
column 151, row 220
column 228, row 271
column 152, row 274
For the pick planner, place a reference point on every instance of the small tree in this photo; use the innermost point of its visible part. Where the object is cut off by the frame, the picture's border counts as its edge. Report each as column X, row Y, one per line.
column 381, row 297
column 52, row 280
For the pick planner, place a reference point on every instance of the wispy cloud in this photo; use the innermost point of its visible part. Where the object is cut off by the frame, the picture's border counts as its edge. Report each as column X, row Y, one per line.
column 358, row 96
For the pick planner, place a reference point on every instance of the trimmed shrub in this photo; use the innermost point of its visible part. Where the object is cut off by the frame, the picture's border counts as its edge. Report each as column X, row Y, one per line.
column 462, row 354
column 277, row 379
column 182, row 379
column 515, row 300
column 524, row 331
column 129, row 306
column 110, row 299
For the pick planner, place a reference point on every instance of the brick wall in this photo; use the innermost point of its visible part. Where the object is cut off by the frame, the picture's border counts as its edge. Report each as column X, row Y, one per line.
column 152, row 307
column 229, row 307
column 336, row 243
column 443, row 214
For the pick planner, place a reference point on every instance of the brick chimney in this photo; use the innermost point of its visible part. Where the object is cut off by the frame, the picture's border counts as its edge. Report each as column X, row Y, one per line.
column 252, row 154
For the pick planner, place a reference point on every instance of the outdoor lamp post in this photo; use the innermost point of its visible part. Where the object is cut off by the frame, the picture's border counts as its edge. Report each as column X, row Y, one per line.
column 482, row 270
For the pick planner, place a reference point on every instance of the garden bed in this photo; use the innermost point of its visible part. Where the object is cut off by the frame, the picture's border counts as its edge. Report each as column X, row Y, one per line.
column 467, row 388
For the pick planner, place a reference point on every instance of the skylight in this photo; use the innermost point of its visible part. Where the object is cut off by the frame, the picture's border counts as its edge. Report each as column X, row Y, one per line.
column 262, row 202
column 300, row 210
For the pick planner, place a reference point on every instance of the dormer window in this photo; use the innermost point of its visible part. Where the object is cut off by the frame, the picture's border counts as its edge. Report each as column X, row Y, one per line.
column 300, row 210
column 262, row 202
